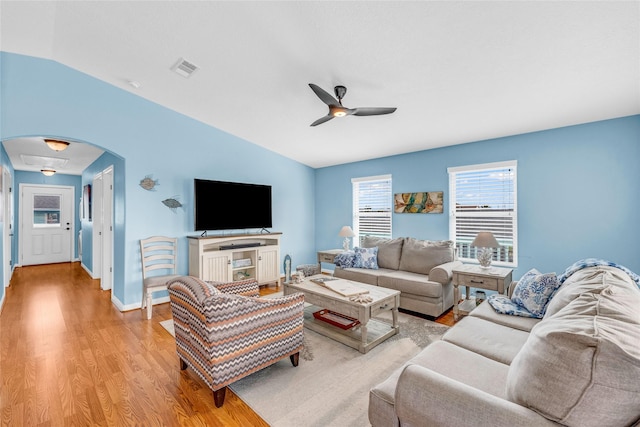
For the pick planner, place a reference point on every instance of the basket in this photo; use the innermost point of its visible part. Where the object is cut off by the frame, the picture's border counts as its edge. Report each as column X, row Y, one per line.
column 336, row 319
column 308, row 269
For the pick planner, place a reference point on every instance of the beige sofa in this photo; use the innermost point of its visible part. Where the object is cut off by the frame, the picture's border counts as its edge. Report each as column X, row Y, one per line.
column 578, row 366
column 419, row 269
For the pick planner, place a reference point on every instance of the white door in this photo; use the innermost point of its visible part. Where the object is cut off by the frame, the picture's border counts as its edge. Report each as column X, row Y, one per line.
column 107, row 229
column 96, row 218
column 8, row 224
column 46, row 224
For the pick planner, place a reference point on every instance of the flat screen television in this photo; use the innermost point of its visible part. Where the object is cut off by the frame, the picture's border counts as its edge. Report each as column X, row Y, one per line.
column 221, row 205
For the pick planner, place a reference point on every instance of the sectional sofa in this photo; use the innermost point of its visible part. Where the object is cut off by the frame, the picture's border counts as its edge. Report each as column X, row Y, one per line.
column 577, row 366
column 420, row 269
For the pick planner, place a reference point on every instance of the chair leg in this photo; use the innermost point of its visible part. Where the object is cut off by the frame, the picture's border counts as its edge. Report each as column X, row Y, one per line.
column 149, row 298
column 295, row 358
column 218, row 396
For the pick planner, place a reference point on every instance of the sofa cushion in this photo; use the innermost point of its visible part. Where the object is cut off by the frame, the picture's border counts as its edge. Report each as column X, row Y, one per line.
column 420, row 256
column 362, row 275
column 389, row 250
column 588, row 355
column 366, row 258
column 497, row 342
column 447, row 359
column 533, row 291
column 465, row 366
column 591, row 279
column 410, row 283
column 486, row 312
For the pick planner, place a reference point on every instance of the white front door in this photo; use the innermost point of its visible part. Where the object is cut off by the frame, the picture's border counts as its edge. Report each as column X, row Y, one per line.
column 46, row 224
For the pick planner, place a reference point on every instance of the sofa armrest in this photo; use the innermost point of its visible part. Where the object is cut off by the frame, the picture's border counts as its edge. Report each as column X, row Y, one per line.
column 443, row 273
column 511, row 287
column 425, row 397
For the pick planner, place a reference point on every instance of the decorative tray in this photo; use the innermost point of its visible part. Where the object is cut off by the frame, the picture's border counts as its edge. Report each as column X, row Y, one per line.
column 336, row 319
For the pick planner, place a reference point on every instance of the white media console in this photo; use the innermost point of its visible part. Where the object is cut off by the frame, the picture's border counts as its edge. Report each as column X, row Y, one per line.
column 236, row 257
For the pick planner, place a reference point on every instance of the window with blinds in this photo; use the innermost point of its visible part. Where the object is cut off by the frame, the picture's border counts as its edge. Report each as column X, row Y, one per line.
column 372, row 206
column 484, row 198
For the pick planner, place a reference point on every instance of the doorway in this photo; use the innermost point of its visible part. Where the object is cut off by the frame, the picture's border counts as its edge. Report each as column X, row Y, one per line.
column 46, row 224
column 7, row 205
column 103, row 227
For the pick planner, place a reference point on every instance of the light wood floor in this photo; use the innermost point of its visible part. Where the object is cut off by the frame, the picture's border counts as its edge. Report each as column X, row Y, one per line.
column 69, row 357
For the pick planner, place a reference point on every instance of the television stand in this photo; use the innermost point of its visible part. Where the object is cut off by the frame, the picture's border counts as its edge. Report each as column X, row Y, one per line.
column 235, row 257
column 239, row 246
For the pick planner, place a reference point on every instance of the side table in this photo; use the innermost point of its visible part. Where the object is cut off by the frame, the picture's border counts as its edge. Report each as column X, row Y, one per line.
column 327, row 256
column 473, row 276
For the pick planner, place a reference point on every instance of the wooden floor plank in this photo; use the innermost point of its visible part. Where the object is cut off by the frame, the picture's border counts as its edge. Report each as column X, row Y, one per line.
column 69, row 357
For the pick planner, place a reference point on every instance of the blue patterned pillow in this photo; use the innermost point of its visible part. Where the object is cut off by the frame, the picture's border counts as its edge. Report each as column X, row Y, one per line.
column 533, row 291
column 345, row 259
column 502, row 304
column 366, row 258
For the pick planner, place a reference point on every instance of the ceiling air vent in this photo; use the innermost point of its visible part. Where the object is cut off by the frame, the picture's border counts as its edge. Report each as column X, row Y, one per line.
column 184, row 68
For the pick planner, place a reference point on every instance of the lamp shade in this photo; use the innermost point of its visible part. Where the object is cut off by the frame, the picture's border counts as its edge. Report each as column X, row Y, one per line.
column 56, row 145
column 485, row 239
column 47, row 172
column 346, row 231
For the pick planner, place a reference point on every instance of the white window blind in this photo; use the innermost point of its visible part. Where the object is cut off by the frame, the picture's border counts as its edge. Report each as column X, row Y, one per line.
column 484, row 198
column 372, row 206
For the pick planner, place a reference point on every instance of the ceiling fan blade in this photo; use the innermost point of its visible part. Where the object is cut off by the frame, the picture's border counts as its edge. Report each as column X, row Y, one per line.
column 323, row 95
column 372, row 111
column 322, row 120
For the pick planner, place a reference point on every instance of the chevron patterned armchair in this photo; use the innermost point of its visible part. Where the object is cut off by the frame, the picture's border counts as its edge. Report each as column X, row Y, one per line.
column 224, row 332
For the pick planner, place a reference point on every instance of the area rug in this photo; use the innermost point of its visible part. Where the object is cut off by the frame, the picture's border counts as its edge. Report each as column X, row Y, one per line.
column 330, row 386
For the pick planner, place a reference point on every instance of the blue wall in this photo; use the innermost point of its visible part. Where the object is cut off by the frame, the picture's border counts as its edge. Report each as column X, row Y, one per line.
column 578, row 192
column 103, row 162
column 4, row 164
column 42, row 97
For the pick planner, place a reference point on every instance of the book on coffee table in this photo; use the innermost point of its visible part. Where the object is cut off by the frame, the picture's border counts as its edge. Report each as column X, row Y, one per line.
column 341, row 286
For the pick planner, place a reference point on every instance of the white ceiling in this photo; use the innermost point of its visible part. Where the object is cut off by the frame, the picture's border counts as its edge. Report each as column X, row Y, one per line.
column 457, row 71
column 32, row 154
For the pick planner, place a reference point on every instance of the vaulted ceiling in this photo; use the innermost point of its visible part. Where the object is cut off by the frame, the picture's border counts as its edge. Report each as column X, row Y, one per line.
column 456, row 71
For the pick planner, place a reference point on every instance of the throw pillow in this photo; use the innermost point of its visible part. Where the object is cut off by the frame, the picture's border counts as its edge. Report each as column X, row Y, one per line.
column 366, row 258
column 503, row 305
column 345, row 259
column 533, row 291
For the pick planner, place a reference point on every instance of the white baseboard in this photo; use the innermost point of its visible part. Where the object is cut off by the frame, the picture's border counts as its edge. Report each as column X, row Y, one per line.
column 135, row 306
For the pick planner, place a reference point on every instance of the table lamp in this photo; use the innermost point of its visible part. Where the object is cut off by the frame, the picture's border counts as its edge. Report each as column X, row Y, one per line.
column 485, row 242
column 347, row 233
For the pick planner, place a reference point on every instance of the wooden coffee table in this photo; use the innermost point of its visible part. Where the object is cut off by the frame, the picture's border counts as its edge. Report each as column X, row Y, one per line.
column 369, row 333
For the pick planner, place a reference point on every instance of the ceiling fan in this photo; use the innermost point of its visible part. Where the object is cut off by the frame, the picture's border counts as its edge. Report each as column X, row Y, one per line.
column 337, row 110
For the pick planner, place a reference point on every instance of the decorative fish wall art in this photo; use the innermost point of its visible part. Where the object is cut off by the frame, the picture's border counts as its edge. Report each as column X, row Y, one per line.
column 172, row 203
column 148, row 183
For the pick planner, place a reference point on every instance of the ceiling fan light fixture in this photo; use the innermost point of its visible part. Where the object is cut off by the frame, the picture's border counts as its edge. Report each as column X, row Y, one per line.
column 56, row 145
column 339, row 113
column 48, row 172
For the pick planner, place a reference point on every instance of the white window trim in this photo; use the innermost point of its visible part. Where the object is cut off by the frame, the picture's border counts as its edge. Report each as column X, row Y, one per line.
column 355, row 222
column 452, row 199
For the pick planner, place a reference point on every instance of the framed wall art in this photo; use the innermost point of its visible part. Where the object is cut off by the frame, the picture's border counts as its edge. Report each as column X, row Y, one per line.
column 86, row 202
column 426, row 202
